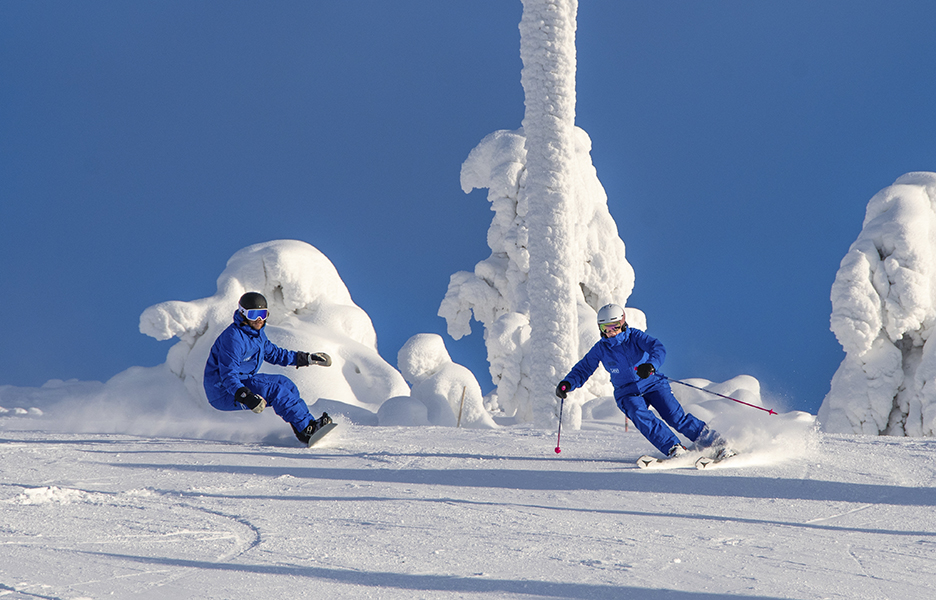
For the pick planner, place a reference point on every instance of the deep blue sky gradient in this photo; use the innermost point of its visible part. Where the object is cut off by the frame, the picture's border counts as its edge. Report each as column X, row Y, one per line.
column 143, row 143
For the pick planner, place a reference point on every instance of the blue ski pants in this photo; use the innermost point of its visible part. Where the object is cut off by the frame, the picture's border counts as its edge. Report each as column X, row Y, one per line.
column 280, row 393
column 660, row 397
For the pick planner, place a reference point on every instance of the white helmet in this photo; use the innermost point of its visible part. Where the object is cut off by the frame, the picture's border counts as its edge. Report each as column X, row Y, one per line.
column 610, row 313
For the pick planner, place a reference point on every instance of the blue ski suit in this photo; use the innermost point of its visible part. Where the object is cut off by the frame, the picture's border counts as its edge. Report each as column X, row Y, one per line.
column 620, row 355
column 235, row 358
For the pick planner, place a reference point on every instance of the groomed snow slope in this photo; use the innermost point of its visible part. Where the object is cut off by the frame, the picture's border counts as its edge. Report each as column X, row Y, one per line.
column 430, row 512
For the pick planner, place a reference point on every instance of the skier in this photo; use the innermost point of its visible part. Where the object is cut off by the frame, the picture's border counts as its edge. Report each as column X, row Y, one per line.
column 632, row 358
column 231, row 378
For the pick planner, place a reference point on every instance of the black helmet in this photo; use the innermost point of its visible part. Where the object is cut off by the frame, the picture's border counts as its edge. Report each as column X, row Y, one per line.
column 252, row 300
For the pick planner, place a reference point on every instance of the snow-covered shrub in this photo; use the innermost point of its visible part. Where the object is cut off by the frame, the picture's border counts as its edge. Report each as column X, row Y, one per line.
column 448, row 391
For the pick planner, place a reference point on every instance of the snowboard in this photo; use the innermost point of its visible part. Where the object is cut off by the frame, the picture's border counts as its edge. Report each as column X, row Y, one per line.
column 321, row 432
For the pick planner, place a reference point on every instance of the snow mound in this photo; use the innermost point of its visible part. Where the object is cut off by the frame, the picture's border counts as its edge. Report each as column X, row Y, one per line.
column 444, row 393
column 310, row 309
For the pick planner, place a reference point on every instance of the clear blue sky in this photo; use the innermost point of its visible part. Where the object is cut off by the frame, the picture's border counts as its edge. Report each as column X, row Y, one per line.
column 143, row 143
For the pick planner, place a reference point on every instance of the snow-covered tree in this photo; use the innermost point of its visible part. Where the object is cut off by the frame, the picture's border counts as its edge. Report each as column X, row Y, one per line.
column 555, row 252
column 547, row 48
column 497, row 294
column 883, row 314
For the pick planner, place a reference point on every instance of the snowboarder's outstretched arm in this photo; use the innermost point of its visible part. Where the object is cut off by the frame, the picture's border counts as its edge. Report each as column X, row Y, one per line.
column 278, row 356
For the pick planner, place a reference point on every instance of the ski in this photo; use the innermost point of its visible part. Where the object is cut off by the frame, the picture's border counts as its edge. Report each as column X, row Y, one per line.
column 707, row 461
column 321, row 432
column 689, row 459
column 646, row 461
column 651, row 462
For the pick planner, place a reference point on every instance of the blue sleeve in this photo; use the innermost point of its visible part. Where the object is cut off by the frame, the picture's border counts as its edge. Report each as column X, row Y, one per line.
column 654, row 349
column 275, row 355
column 230, row 351
column 584, row 368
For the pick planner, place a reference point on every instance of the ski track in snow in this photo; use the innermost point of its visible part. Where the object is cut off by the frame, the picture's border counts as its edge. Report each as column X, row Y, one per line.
column 426, row 512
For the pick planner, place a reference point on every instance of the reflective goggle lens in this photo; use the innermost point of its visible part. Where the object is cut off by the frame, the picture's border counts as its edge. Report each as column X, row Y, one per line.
column 606, row 327
column 255, row 313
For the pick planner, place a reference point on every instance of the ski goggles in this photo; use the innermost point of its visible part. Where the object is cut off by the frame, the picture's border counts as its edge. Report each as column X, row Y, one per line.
column 613, row 325
column 254, row 313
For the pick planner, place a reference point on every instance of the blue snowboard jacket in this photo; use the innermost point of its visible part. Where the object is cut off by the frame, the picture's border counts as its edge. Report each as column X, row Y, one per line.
column 620, row 355
column 236, row 355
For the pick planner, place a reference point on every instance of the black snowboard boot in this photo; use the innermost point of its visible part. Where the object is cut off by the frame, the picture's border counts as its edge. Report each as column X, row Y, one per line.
column 311, row 428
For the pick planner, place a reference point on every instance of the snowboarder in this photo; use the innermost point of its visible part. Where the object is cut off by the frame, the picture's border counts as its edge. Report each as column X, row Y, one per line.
column 231, row 378
column 632, row 358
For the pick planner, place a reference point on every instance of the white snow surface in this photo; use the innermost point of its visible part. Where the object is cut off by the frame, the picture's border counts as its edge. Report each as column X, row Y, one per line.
column 438, row 512
column 883, row 314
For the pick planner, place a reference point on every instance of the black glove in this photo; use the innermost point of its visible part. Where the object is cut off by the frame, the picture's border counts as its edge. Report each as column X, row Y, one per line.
column 304, row 359
column 563, row 388
column 252, row 401
column 645, row 370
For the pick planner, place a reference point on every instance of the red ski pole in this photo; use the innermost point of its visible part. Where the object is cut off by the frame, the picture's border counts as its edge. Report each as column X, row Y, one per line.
column 769, row 410
column 559, row 435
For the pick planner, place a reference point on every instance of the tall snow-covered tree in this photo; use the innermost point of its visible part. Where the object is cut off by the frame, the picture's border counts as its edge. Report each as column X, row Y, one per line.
column 547, row 48
column 556, row 255
column 884, row 313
